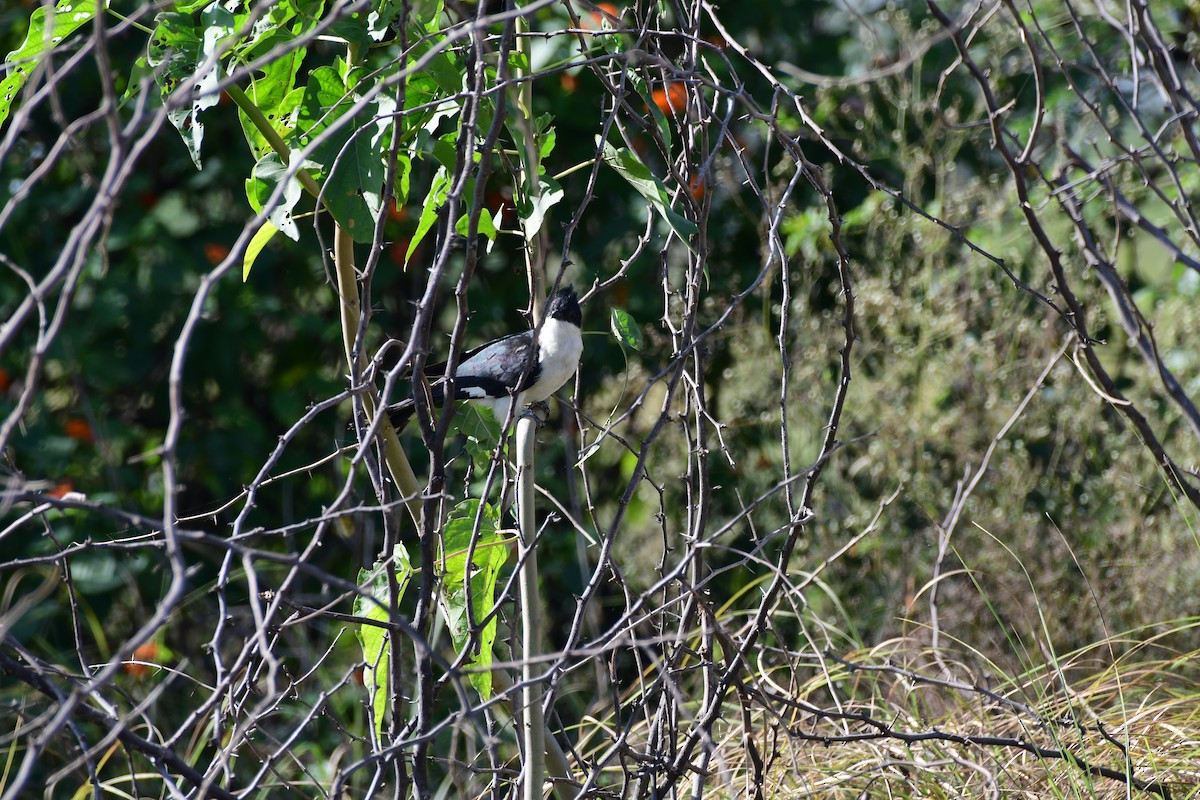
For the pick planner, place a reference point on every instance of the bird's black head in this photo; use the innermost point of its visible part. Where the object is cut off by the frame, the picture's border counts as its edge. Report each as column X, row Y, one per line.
column 564, row 305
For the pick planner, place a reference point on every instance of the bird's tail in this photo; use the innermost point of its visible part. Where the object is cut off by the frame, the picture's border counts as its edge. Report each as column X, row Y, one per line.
column 402, row 413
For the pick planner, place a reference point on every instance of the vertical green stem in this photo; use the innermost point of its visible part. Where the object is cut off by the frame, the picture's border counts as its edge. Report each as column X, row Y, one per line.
column 530, row 699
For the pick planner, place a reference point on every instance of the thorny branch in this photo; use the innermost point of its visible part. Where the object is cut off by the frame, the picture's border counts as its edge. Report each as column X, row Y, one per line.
column 721, row 644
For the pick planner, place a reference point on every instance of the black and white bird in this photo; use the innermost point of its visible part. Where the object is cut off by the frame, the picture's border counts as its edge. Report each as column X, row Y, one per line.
column 515, row 368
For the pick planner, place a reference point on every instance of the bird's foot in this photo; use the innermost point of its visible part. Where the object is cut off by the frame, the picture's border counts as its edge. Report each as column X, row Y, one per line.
column 538, row 412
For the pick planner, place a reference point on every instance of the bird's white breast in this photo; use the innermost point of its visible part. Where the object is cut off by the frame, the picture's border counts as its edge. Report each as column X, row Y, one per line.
column 561, row 346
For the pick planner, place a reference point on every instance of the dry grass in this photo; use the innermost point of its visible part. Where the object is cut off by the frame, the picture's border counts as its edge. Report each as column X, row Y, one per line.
column 902, row 721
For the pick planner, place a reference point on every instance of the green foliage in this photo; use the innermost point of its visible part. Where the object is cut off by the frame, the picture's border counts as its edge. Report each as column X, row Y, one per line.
column 650, row 187
column 625, row 329
column 49, row 28
column 473, row 551
column 377, row 604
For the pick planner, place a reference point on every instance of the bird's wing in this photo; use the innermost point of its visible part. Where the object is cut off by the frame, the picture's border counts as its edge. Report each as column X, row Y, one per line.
column 495, row 369
column 439, row 369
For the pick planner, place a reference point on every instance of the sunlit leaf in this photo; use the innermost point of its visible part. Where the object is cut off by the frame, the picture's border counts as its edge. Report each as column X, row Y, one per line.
column 48, row 28
column 263, row 235
column 625, row 328
column 180, row 51
column 350, row 153
column 266, row 175
column 274, row 92
column 488, row 551
column 429, row 210
column 487, row 226
column 375, row 641
column 533, row 212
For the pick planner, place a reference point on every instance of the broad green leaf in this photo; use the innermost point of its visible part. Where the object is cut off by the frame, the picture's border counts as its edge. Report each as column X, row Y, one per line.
column 352, row 157
column 488, row 556
column 263, row 235
column 428, row 14
column 518, row 62
column 434, row 200
column 403, row 177
column 375, row 641
column 487, row 226
column 546, row 142
column 481, row 429
column 429, row 95
column 48, row 28
column 625, row 328
column 267, row 174
column 423, row 15
column 273, row 90
column 351, row 28
column 647, row 184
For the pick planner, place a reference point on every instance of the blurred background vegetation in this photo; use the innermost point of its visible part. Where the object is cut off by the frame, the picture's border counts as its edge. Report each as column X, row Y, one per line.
column 1072, row 537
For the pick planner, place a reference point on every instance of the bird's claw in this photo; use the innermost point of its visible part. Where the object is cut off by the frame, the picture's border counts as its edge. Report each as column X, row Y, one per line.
column 538, row 412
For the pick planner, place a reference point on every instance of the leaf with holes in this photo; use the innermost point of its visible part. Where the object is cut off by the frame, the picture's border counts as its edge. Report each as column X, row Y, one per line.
column 48, row 28
column 268, row 173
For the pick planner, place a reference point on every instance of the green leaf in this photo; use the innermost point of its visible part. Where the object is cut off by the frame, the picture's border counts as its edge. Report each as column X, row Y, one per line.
column 424, row 15
column 625, row 328
column 487, row 226
column 488, row 555
column 403, row 177
column 263, row 235
column 518, row 62
column 375, row 641
column 351, row 159
column 647, row 184
column 274, row 92
column 434, row 200
column 660, row 120
column 546, row 143
column 428, row 14
column 180, row 51
column 48, row 28
column 266, row 175
column 480, row 428
column 351, row 28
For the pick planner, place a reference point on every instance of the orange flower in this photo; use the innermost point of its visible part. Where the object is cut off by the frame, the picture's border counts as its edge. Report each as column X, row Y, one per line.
column 147, row 652
column 672, row 98
column 604, row 13
column 79, row 430
column 215, row 252
column 398, row 249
